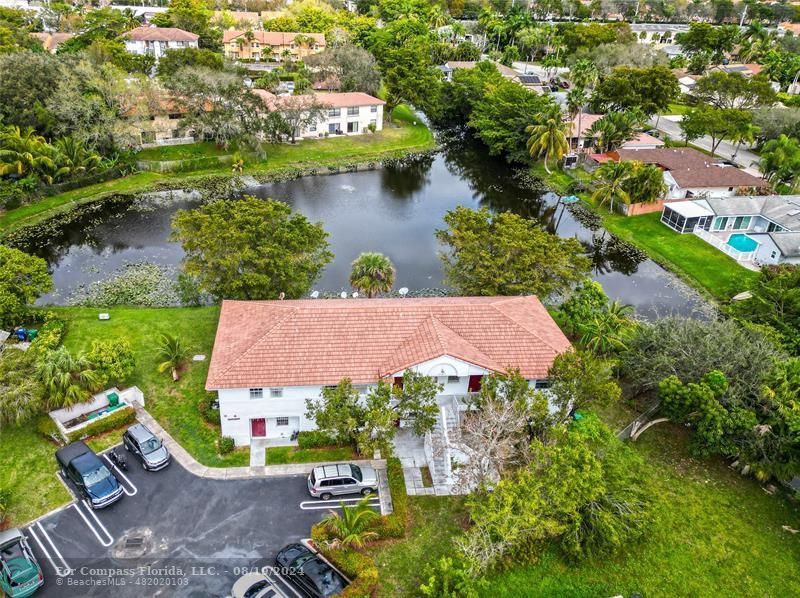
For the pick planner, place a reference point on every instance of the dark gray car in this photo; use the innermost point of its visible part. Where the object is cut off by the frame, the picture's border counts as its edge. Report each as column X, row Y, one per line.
column 146, row 447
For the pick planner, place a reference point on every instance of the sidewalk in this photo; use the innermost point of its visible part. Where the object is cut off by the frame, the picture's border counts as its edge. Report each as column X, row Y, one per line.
column 182, row 456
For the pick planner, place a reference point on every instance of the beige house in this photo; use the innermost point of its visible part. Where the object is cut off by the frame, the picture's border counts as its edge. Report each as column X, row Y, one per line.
column 271, row 45
column 51, row 41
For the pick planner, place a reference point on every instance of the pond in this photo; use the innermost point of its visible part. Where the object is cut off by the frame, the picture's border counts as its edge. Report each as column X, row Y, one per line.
column 392, row 210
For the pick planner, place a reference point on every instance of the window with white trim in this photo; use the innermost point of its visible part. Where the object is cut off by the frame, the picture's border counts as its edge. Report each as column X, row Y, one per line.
column 281, row 421
column 352, row 111
column 453, row 379
column 256, row 393
column 275, row 393
column 373, row 109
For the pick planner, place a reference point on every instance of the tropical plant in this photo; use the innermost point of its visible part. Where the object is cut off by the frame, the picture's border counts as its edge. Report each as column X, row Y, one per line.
column 645, row 183
column 548, row 139
column 583, row 73
column 372, row 273
column 614, row 129
column 351, row 527
column 780, row 161
column 606, row 331
column 172, row 355
column 67, row 379
column 611, row 177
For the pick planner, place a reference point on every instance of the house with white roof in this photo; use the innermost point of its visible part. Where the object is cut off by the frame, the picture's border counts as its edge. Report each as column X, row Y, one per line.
column 762, row 229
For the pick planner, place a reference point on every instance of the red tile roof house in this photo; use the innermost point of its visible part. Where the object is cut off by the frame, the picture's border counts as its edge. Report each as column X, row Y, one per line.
column 579, row 140
column 689, row 173
column 270, row 356
column 348, row 113
column 157, row 40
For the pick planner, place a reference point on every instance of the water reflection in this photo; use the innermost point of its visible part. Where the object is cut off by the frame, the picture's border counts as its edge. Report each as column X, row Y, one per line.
column 395, row 210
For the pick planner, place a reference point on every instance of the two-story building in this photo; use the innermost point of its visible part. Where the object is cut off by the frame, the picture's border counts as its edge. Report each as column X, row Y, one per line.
column 270, row 357
column 157, row 40
column 348, row 113
column 271, row 45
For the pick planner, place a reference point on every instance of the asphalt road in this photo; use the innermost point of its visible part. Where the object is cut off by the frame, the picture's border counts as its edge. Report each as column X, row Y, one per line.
column 176, row 535
column 745, row 159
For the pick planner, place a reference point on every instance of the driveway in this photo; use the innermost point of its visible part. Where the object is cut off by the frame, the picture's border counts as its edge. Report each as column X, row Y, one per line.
column 174, row 534
column 746, row 159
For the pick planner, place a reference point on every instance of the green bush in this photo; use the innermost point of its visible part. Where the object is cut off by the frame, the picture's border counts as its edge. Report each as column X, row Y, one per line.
column 47, row 427
column 121, row 417
column 207, row 411
column 315, row 439
column 394, row 525
column 5, row 499
column 359, row 567
column 50, row 336
column 226, row 445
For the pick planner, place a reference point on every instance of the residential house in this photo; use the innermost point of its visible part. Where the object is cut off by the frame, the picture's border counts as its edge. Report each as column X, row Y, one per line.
column 270, row 357
column 657, row 34
column 51, row 41
column 157, row 40
column 162, row 126
column 759, row 229
column 349, row 113
column 271, row 45
column 580, row 140
column 689, row 173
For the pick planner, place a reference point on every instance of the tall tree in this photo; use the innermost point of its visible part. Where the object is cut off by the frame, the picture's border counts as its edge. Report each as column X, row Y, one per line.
column 548, row 138
column 251, row 248
column 23, row 279
column 611, row 178
column 650, row 89
column 780, row 162
column 506, row 254
column 734, row 90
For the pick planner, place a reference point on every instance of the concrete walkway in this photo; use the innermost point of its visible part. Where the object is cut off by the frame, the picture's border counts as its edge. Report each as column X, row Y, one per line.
column 182, row 456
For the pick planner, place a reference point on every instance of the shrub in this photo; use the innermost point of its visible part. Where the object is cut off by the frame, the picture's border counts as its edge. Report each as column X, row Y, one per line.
column 315, row 439
column 448, row 578
column 206, row 408
column 117, row 419
column 47, row 427
column 226, row 445
column 394, row 525
column 50, row 336
column 113, row 360
column 357, row 566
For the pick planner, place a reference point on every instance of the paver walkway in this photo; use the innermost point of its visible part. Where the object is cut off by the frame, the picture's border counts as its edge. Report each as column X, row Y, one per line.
column 258, row 452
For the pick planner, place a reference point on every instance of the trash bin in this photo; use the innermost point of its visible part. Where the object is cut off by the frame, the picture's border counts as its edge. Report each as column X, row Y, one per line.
column 113, row 399
column 32, row 334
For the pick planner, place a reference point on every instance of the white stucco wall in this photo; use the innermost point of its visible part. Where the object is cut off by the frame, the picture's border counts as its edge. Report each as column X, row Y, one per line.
column 156, row 48
column 364, row 117
column 237, row 409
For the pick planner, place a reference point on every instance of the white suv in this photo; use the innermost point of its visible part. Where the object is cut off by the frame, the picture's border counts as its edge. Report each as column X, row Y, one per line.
column 334, row 480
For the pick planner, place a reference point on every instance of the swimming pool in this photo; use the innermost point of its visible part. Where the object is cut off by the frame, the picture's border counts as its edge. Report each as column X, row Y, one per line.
column 742, row 242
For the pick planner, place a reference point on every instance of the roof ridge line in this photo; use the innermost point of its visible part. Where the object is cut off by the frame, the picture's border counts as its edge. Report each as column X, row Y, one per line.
column 289, row 311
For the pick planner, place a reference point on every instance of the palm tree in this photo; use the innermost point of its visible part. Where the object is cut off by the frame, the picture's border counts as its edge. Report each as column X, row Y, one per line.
column 614, row 129
column 746, row 134
column 611, row 177
column 576, row 99
column 549, row 138
column 350, row 528
column 583, row 73
column 437, row 17
column 22, row 152
column 372, row 273
column 172, row 354
column 646, row 183
column 67, row 379
column 780, row 161
column 604, row 334
column 76, row 156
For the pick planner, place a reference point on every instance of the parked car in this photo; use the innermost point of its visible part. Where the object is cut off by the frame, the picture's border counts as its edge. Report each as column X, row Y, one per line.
column 89, row 474
column 20, row 574
column 334, row 480
column 309, row 573
column 255, row 585
column 146, row 447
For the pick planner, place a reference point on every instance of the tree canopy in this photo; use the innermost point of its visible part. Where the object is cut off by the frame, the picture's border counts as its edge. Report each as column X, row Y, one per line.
column 506, row 254
column 23, row 278
column 650, row 89
column 251, row 249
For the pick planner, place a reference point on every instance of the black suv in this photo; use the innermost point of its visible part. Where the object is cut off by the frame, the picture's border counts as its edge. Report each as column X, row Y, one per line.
column 306, row 570
column 89, row 474
column 148, row 449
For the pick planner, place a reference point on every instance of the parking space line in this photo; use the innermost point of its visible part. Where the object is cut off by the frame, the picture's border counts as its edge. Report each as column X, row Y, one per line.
column 123, row 476
column 315, row 505
column 105, row 543
column 59, row 571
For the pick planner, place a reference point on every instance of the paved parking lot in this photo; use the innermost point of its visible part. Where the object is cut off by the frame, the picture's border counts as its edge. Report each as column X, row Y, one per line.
column 173, row 534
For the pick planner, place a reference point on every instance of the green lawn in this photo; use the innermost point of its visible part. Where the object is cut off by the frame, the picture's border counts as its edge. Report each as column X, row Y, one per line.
column 675, row 109
column 188, row 151
column 686, row 255
column 280, row 455
column 401, row 135
column 174, row 405
column 715, row 534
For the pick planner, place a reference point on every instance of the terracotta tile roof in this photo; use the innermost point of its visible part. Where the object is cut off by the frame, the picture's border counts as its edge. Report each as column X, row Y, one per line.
column 160, row 34
column 691, row 168
column 272, row 38
column 311, row 342
column 51, row 41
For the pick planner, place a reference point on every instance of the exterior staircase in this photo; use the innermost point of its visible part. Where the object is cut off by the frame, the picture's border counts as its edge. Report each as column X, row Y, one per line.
column 440, row 447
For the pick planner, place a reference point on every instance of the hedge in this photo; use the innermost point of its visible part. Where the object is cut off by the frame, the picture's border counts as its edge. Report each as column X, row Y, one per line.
column 121, row 417
column 315, row 439
column 359, row 567
column 394, row 525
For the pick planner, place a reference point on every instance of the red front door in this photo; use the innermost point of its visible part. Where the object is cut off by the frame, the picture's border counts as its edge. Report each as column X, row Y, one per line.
column 258, row 427
column 474, row 383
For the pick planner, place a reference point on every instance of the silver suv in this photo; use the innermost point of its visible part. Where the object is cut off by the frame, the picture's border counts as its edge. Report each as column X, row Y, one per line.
column 333, row 480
